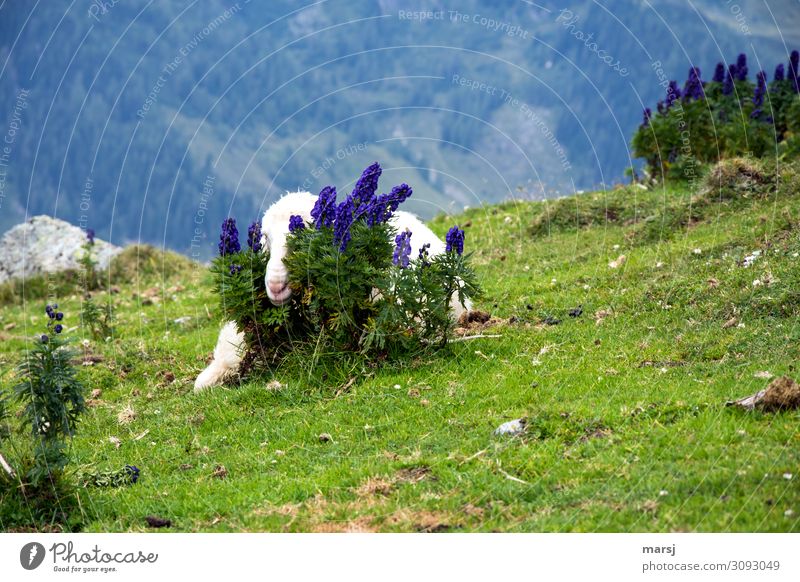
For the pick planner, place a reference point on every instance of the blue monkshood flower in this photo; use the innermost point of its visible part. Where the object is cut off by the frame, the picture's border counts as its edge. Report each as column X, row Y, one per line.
column 780, row 73
column 229, row 238
column 661, row 107
column 455, row 240
column 693, row 89
column 343, row 221
column 59, row 316
column 794, row 74
column 423, row 254
column 769, row 120
column 741, row 67
column 646, row 115
column 727, row 84
column 719, row 73
column 254, row 236
column 296, row 223
column 381, row 208
column 760, row 90
column 45, row 339
column 402, row 249
column 367, row 184
column 133, row 472
column 234, row 269
column 755, row 114
column 90, row 236
column 58, row 328
column 324, row 211
column 673, row 93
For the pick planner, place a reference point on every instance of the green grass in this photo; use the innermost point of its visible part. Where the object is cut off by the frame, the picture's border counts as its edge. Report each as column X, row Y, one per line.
column 627, row 427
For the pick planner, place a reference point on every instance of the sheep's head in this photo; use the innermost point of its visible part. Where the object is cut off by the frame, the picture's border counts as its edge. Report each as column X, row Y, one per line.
column 277, row 278
column 274, row 230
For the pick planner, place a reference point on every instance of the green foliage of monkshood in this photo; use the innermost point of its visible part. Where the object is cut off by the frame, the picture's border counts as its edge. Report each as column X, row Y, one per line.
column 353, row 291
column 729, row 116
column 52, row 399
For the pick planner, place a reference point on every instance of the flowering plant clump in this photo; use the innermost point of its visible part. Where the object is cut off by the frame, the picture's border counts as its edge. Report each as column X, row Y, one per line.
column 355, row 286
column 52, row 398
column 363, row 293
column 728, row 116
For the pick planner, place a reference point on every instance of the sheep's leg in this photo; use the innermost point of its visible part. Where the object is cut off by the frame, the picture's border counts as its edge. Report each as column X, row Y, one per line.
column 227, row 357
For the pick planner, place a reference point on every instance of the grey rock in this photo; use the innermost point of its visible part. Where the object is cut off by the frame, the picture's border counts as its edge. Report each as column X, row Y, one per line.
column 47, row 245
column 512, row 427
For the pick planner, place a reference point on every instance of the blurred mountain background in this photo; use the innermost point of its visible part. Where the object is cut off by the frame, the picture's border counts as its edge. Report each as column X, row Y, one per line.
column 153, row 121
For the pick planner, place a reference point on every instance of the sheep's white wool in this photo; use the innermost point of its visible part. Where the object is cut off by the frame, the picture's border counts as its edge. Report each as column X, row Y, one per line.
column 274, row 230
column 227, row 357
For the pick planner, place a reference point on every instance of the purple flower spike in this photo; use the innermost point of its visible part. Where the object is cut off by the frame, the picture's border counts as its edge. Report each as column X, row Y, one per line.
column 296, row 223
column 646, row 115
column 455, row 240
column 254, row 236
column 324, row 211
column 760, row 90
column 367, row 184
column 727, row 84
column 719, row 73
column 741, row 67
column 90, row 236
column 229, row 238
column 402, row 249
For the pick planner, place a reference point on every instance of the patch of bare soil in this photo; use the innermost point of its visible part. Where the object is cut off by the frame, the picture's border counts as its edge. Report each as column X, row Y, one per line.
column 420, row 521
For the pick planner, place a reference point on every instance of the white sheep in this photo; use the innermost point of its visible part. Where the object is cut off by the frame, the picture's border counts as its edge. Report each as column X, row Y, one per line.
column 274, row 230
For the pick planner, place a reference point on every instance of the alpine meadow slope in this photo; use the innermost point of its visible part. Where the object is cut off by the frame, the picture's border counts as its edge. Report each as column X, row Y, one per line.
column 626, row 320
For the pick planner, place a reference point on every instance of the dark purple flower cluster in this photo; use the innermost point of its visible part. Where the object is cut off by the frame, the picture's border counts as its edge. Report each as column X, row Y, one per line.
column 760, row 90
column 90, row 236
column 693, row 89
column 229, row 238
column 296, row 223
column 719, row 73
column 254, row 236
column 54, row 315
column 646, row 115
column 423, row 254
column 381, row 208
column 367, row 184
column 402, row 249
column 324, row 211
column 133, row 472
column 741, row 67
column 727, row 84
column 345, row 217
column 794, row 75
column 361, row 204
column 780, row 73
column 455, row 240
column 235, row 269
column 673, row 93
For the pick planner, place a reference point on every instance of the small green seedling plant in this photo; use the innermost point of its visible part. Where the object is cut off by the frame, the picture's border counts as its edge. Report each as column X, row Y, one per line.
column 97, row 320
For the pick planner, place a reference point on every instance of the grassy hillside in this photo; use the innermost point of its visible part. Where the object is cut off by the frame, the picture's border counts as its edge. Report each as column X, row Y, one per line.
column 627, row 428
